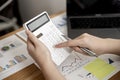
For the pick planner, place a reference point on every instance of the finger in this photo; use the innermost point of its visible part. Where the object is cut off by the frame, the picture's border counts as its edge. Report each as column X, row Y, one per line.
column 77, row 49
column 32, row 38
column 69, row 43
column 30, row 46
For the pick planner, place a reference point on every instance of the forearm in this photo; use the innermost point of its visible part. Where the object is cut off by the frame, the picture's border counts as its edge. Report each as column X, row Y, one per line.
column 50, row 70
column 113, row 46
column 41, row 55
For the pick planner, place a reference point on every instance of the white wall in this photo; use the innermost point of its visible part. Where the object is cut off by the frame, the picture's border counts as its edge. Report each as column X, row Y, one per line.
column 31, row 8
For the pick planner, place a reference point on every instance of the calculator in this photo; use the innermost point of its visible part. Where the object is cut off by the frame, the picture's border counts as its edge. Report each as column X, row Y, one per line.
column 44, row 29
column 37, row 22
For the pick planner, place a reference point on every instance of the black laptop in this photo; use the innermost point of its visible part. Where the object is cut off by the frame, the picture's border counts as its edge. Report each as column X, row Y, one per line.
column 97, row 17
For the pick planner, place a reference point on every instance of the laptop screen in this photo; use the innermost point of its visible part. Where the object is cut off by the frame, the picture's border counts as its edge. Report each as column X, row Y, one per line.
column 92, row 7
column 106, row 12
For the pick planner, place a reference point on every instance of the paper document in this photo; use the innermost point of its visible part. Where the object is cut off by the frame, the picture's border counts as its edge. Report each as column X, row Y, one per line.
column 13, row 56
column 74, row 62
column 60, row 22
column 99, row 68
column 22, row 34
column 81, row 67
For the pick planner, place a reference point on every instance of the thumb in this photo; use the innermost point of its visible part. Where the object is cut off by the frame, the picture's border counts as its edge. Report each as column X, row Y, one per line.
column 32, row 38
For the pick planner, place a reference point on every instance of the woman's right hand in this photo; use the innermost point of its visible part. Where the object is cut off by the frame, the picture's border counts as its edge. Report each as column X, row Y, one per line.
column 95, row 44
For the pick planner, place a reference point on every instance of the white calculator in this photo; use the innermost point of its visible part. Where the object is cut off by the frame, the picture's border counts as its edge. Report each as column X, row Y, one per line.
column 43, row 28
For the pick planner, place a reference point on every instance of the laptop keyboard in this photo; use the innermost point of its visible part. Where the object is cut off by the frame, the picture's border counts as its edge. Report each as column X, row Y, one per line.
column 96, row 22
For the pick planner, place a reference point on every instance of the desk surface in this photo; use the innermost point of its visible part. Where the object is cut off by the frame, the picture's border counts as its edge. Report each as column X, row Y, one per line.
column 32, row 72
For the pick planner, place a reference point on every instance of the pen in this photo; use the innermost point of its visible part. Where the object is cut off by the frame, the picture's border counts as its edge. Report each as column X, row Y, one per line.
column 86, row 50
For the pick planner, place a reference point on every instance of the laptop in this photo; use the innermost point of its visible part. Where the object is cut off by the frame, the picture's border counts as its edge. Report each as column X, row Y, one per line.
column 97, row 17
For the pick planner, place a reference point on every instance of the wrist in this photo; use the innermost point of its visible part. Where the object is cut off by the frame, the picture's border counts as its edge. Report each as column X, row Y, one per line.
column 48, row 68
column 113, row 46
column 47, row 62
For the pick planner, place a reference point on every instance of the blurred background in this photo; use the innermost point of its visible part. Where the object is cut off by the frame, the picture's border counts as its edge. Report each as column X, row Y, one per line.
column 13, row 13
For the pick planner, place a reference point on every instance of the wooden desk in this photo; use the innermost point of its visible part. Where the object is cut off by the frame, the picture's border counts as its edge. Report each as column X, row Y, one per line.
column 32, row 72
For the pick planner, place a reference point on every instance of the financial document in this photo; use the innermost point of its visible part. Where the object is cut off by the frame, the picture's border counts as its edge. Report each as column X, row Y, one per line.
column 74, row 62
column 13, row 56
column 81, row 67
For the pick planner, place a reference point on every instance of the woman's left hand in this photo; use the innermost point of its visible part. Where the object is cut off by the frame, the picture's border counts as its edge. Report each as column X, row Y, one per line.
column 37, row 49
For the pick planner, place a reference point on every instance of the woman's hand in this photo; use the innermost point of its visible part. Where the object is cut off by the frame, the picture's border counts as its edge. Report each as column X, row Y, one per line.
column 41, row 55
column 37, row 49
column 96, row 44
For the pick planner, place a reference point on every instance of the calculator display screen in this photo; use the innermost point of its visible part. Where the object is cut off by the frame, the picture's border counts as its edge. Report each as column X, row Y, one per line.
column 38, row 22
